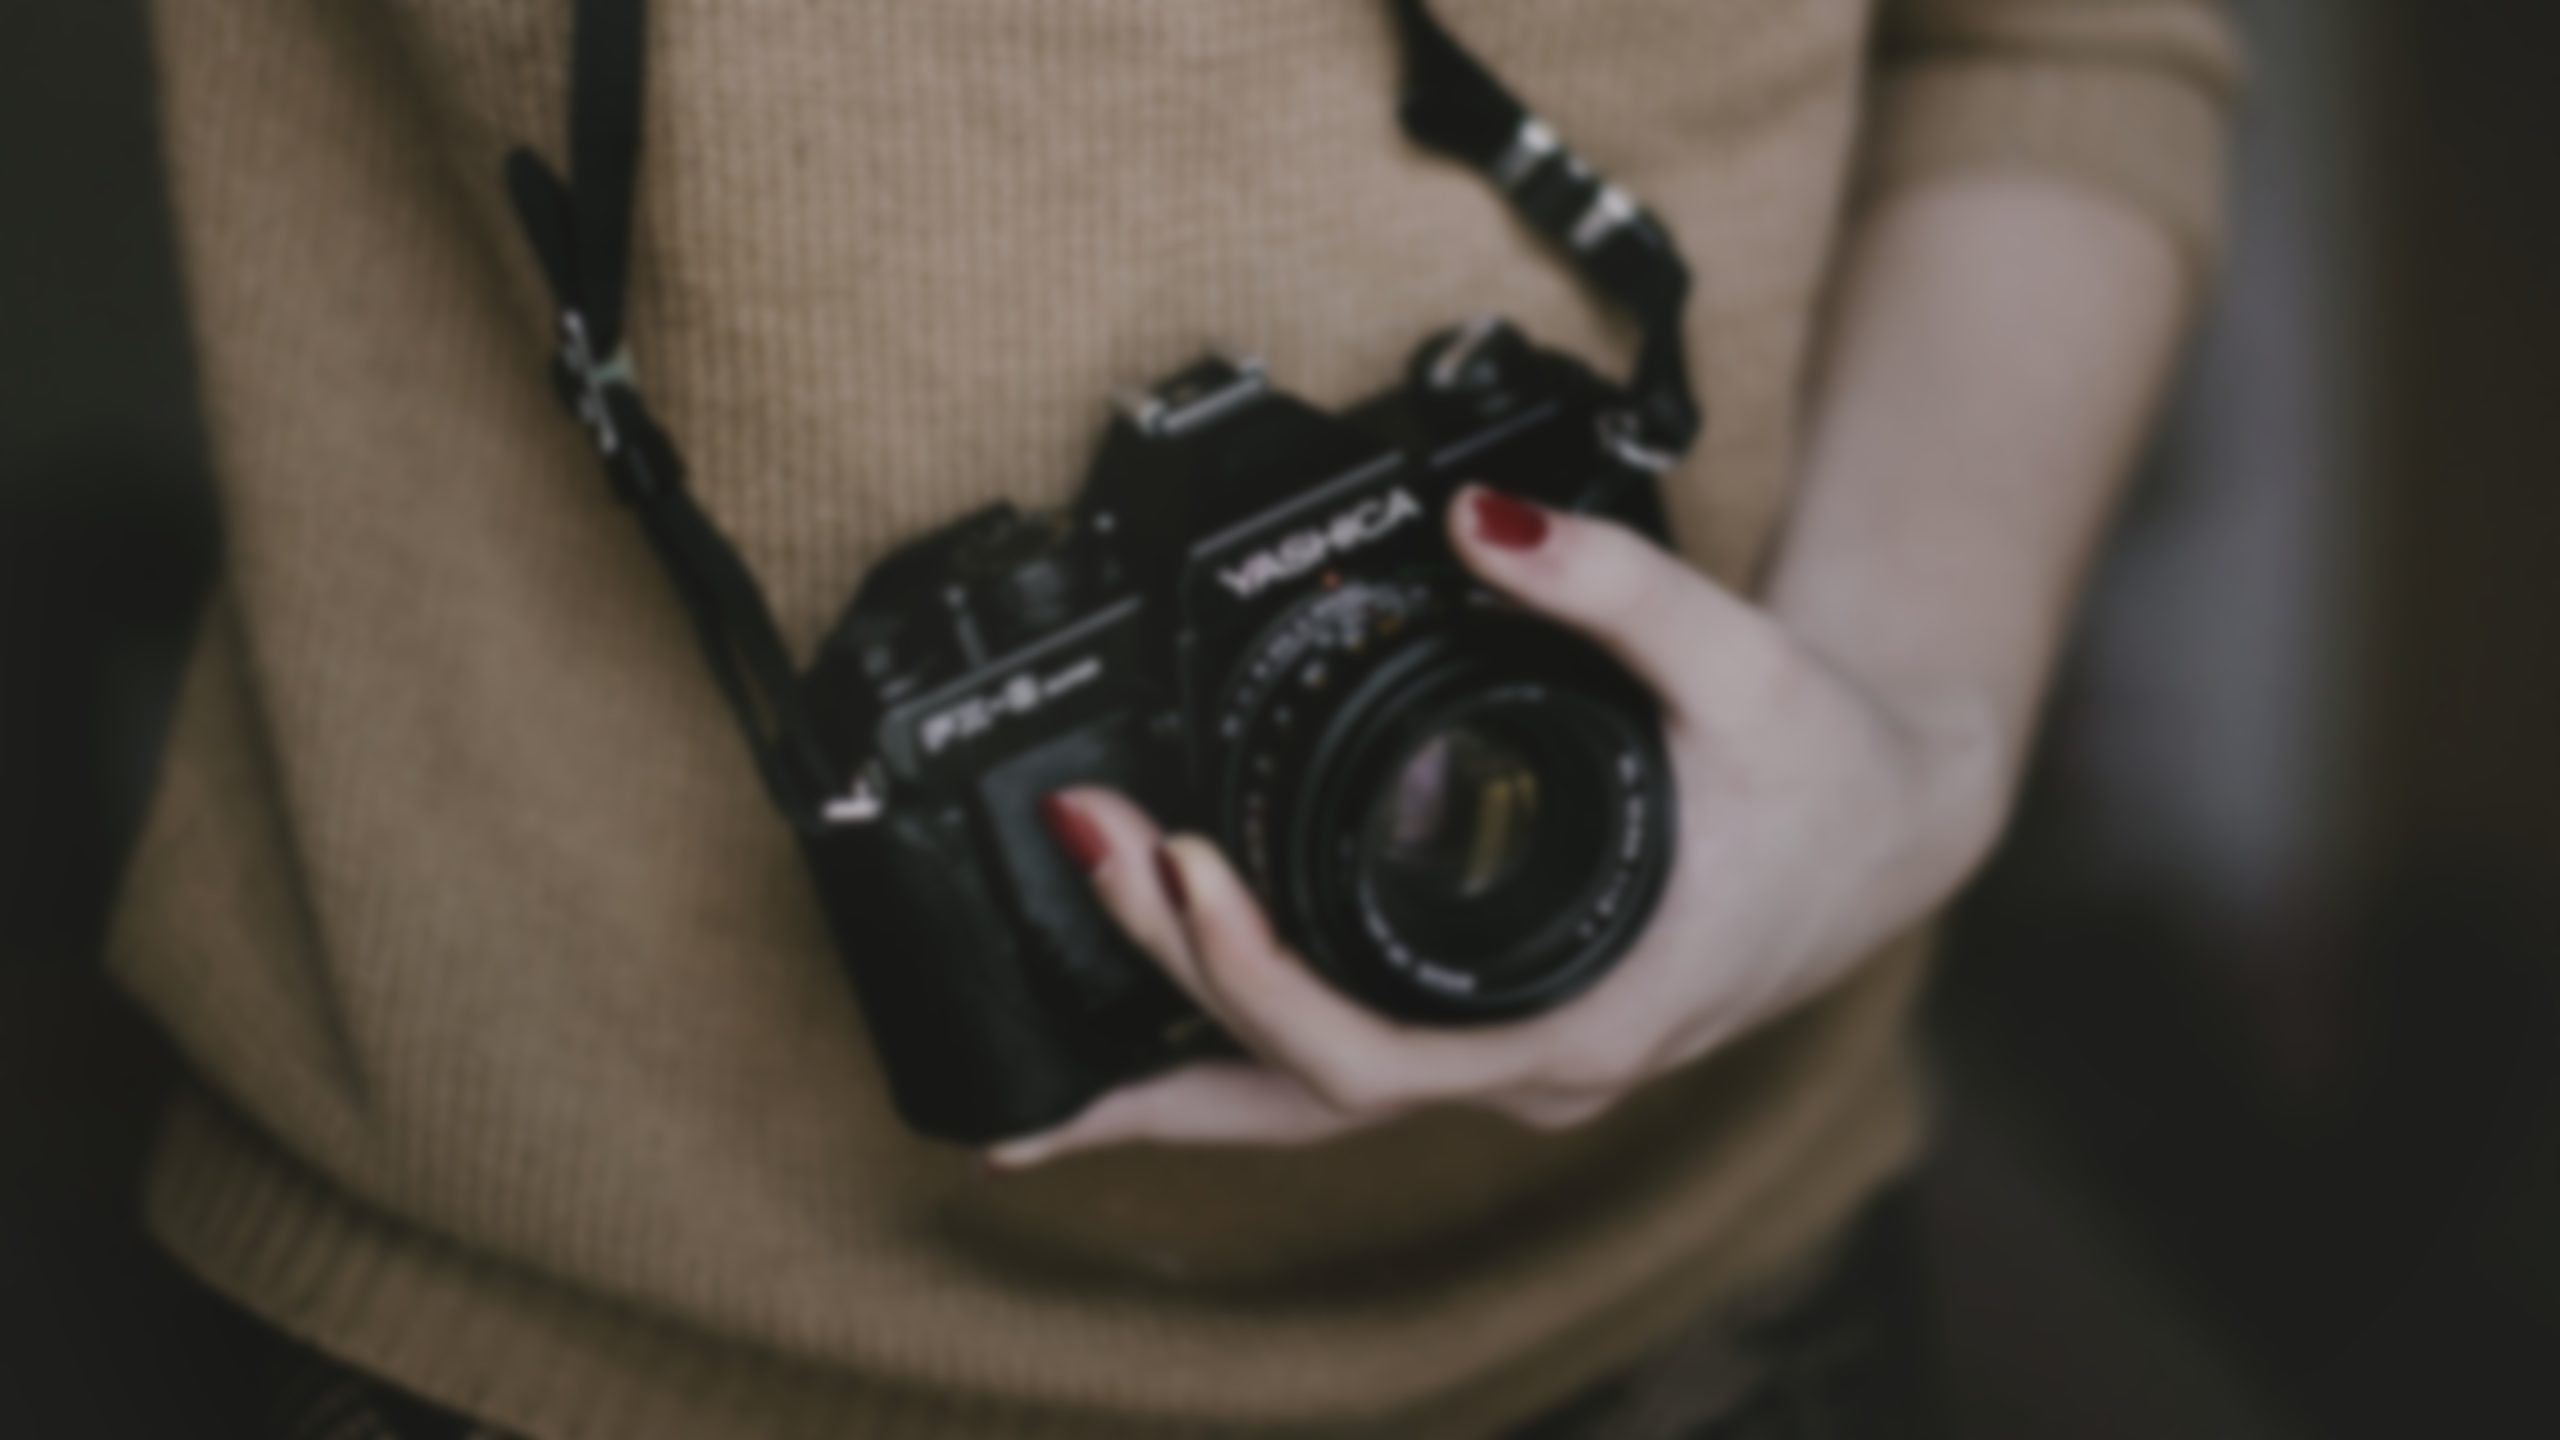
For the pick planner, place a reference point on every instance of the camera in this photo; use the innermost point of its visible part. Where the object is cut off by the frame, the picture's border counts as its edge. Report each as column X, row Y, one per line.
column 1251, row 622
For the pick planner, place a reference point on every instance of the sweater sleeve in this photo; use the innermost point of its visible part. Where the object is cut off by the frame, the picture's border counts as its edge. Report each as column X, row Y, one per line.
column 2132, row 96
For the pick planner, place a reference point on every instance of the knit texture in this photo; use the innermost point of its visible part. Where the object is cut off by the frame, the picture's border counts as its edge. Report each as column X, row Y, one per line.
column 527, row 1075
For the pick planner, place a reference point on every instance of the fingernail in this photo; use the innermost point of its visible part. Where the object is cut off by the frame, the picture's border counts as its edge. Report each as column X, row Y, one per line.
column 1170, row 874
column 1074, row 831
column 1508, row 523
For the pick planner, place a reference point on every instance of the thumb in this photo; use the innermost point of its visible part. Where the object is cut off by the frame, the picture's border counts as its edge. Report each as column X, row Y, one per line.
column 1686, row 637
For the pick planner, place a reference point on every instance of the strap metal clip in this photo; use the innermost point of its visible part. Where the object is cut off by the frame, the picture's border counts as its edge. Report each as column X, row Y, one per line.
column 1530, row 146
column 584, row 380
column 1622, row 435
column 1611, row 209
column 1559, row 190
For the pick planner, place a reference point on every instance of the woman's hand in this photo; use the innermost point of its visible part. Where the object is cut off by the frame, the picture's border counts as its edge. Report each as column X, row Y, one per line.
column 1844, row 756
column 1819, row 816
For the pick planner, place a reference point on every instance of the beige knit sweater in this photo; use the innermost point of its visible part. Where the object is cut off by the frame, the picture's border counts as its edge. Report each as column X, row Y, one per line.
column 527, row 1074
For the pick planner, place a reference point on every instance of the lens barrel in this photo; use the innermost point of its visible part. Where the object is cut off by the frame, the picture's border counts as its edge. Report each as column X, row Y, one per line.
column 1455, row 810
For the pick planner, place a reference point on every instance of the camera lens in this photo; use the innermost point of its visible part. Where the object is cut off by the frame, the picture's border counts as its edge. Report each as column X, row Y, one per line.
column 1456, row 812
column 1454, row 824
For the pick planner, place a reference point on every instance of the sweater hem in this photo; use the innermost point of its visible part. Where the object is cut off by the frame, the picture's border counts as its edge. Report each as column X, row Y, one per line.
column 513, row 1349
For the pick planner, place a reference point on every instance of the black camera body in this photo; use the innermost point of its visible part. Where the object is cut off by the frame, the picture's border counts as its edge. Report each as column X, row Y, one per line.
column 1251, row 622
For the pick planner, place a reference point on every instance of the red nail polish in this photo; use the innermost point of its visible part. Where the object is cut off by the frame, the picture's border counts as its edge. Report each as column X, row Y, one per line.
column 1074, row 831
column 1170, row 875
column 1508, row 523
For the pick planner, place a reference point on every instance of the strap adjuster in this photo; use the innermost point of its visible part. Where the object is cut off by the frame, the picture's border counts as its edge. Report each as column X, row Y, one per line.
column 1530, row 146
column 1610, row 210
column 1577, row 206
column 584, row 381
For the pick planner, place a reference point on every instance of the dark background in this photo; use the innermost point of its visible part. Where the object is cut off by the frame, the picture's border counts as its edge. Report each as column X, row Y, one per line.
column 2250, row 1040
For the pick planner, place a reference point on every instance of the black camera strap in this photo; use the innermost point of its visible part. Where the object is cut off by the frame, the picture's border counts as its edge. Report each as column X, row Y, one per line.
column 1454, row 105
column 581, row 231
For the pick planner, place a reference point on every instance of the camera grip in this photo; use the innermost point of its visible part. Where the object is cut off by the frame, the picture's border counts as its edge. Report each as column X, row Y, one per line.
column 969, row 1052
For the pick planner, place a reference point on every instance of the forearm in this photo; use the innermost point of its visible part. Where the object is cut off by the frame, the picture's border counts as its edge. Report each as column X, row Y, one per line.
column 1997, row 348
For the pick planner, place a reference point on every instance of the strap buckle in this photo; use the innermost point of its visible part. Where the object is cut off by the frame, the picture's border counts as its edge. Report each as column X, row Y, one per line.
column 1559, row 190
column 584, row 381
column 1611, row 210
column 1531, row 143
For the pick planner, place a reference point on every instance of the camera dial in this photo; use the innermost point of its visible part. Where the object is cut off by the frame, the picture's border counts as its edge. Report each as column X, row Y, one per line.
column 1023, row 576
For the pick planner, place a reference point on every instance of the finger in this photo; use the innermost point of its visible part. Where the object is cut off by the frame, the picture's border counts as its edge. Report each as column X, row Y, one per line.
column 1553, row 1111
column 1115, row 842
column 1213, row 1103
column 1689, row 639
column 1352, row 1058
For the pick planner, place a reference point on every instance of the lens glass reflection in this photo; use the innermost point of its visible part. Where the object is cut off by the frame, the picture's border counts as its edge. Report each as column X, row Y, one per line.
column 1455, row 824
